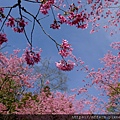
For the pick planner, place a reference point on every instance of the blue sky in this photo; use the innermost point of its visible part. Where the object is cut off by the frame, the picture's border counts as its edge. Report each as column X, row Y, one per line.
column 89, row 47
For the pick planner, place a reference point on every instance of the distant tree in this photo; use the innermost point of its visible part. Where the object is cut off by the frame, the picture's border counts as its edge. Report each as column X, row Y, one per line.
column 51, row 76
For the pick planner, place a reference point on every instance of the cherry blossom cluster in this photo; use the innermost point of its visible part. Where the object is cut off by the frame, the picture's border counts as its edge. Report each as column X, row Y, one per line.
column 21, row 71
column 17, row 24
column 65, row 66
column 98, row 12
column 110, row 74
column 1, row 14
column 2, row 107
column 3, row 38
column 45, row 6
column 55, row 25
column 89, row 1
column 15, row 74
column 32, row 57
column 115, row 45
column 73, row 18
column 81, row 18
column 62, row 19
column 108, row 77
column 56, row 103
column 82, row 90
column 1, row 10
column 66, row 49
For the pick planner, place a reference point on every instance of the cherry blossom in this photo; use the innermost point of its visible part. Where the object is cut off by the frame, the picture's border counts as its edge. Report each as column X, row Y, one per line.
column 82, row 90
column 1, row 14
column 65, row 66
column 89, row 1
column 55, row 103
column 32, row 57
column 15, row 75
column 3, row 38
column 2, row 108
column 62, row 19
column 11, row 22
column 17, row 24
column 47, row 82
column 13, row 61
column 45, row 6
column 55, row 25
column 66, row 49
column 115, row 45
column 107, row 78
column 1, row 10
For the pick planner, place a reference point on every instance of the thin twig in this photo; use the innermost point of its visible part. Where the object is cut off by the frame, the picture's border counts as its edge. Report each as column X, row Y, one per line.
column 8, row 15
column 32, row 30
column 27, row 37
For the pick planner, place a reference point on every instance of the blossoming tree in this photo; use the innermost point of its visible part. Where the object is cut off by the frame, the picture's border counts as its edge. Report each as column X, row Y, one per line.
column 80, row 14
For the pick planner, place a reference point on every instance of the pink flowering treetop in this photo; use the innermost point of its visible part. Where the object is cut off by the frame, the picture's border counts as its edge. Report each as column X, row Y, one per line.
column 15, row 98
column 53, row 103
column 108, row 78
column 15, row 77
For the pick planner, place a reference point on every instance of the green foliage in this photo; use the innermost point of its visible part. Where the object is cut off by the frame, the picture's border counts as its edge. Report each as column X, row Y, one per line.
column 110, row 109
column 114, row 92
column 26, row 97
column 8, row 93
column 46, row 89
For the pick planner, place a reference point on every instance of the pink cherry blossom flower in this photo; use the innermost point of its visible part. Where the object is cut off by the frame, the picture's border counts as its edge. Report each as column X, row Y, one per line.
column 45, row 6
column 62, row 19
column 82, row 90
column 84, row 26
column 1, row 9
column 20, row 27
column 92, row 31
column 115, row 45
column 47, row 82
column 2, row 108
column 3, row 38
column 32, row 57
column 16, row 24
column 11, row 22
column 66, row 49
column 65, row 66
column 111, row 0
column 89, row 1
column 1, row 14
column 55, row 25
column 22, row 23
column 19, row 30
